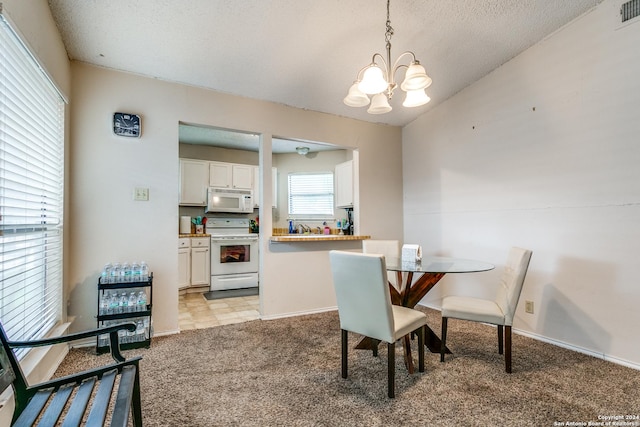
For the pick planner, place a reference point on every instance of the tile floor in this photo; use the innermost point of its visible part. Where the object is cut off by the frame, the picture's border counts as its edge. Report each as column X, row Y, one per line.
column 196, row 312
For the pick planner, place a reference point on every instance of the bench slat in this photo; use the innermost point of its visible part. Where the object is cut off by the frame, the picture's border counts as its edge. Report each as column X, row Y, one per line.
column 101, row 400
column 79, row 404
column 55, row 408
column 123, row 400
column 31, row 412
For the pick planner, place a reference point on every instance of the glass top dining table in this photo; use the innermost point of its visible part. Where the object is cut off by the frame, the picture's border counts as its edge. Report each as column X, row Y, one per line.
column 438, row 265
column 410, row 292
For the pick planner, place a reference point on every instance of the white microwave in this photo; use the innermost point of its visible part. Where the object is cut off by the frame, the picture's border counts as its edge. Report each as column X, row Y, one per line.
column 226, row 200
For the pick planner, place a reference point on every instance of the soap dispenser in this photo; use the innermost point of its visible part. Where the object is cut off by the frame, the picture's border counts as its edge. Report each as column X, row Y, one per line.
column 291, row 231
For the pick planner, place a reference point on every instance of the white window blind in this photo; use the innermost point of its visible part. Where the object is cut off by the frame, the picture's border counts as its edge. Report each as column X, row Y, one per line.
column 31, row 192
column 311, row 194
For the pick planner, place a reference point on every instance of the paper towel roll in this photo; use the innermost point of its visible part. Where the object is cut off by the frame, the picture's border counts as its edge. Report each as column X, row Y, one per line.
column 185, row 225
column 411, row 253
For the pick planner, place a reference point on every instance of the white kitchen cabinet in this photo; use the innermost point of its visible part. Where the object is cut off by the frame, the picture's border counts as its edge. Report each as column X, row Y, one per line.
column 220, row 174
column 343, row 178
column 256, row 186
column 194, row 179
column 200, row 261
column 184, row 262
column 230, row 175
column 242, row 177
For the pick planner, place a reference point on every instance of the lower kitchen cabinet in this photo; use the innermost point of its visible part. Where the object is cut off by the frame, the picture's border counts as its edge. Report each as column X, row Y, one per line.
column 200, row 261
column 194, row 261
column 184, row 262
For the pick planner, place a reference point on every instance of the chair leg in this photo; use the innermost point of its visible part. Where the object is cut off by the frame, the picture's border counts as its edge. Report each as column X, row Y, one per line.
column 500, row 340
column 443, row 339
column 344, row 353
column 391, row 374
column 421, row 349
column 507, row 352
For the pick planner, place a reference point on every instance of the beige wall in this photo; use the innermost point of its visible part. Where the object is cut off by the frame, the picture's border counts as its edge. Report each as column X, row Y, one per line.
column 110, row 226
column 542, row 153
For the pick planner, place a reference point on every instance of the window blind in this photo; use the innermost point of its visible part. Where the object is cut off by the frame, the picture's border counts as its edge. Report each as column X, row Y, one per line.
column 311, row 194
column 31, row 192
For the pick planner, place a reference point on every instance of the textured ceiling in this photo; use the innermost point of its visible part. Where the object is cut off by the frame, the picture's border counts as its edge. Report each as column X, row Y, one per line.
column 306, row 53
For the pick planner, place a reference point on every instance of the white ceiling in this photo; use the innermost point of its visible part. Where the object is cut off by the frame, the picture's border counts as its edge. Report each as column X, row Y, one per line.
column 306, row 53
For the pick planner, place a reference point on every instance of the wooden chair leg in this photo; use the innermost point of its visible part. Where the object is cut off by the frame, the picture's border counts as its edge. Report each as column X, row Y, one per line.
column 507, row 352
column 391, row 374
column 421, row 349
column 443, row 339
column 344, row 353
column 500, row 340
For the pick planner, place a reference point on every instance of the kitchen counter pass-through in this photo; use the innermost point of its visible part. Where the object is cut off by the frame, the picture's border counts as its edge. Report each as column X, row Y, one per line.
column 316, row 238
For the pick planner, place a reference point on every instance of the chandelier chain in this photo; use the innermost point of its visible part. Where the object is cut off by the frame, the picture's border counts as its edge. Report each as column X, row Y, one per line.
column 389, row 32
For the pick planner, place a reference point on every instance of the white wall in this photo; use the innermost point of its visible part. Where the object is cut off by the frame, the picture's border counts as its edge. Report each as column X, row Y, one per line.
column 107, row 225
column 542, row 153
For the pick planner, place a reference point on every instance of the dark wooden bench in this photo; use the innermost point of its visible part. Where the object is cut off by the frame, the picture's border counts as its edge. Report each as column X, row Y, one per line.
column 46, row 402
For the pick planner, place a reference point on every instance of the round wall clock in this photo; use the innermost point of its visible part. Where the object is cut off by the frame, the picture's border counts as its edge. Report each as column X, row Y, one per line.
column 125, row 124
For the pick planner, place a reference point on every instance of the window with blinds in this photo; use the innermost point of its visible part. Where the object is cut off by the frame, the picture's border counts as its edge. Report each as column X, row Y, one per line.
column 311, row 194
column 31, row 192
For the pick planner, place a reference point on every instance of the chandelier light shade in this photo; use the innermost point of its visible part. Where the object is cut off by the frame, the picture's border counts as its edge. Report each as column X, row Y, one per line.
column 379, row 104
column 380, row 82
column 355, row 98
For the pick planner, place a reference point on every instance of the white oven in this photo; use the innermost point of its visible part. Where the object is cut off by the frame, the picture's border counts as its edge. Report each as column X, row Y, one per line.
column 234, row 254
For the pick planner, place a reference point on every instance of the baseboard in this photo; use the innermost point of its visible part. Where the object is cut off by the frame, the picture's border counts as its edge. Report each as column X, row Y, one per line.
column 298, row 313
column 562, row 344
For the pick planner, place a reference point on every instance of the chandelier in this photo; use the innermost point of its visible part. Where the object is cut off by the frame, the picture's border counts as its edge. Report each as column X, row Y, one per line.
column 380, row 82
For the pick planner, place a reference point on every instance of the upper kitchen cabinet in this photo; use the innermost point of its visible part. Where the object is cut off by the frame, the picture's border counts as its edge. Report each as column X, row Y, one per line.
column 229, row 175
column 256, row 186
column 343, row 178
column 194, row 176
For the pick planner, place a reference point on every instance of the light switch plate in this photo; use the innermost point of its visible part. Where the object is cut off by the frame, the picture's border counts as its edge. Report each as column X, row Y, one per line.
column 141, row 194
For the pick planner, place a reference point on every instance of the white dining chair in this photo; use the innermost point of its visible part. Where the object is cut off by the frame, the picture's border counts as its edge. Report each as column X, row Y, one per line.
column 364, row 307
column 388, row 248
column 499, row 311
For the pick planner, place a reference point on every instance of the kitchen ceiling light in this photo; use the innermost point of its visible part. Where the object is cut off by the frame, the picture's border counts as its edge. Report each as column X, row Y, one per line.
column 380, row 82
column 302, row 150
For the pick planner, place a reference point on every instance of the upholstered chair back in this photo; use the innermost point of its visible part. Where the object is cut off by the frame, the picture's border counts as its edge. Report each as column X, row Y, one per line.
column 511, row 282
column 362, row 293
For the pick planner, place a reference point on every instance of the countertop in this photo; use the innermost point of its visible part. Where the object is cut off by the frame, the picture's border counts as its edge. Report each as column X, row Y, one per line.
column 193, row 235
column 316, row 238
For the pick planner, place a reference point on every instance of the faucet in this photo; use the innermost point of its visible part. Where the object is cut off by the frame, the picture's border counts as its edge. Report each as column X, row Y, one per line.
column 303, row 229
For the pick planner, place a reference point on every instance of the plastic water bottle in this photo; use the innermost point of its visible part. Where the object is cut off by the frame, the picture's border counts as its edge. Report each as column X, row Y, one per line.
column 142, row 301
column 104, row 302
column 140, row 331
column 124, row 302
column 106, row 271
column 125, row 273
column 144, row 271
column 113, row 303
column 115, row 273
column 135, row 272
column 133, row 301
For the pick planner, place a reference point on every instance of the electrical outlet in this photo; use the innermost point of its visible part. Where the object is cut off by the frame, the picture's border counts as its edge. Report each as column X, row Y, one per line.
column 528, row 307
column 141, row 194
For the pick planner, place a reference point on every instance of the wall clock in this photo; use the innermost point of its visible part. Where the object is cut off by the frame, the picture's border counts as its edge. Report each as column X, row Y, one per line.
column 125, row 124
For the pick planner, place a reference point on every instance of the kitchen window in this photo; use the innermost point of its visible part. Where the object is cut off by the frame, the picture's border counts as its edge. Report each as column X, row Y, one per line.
column 31, row 192
column 311, row 194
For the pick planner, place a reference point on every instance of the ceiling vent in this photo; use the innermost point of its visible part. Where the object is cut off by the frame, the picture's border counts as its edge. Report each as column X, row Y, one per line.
column 629, row 10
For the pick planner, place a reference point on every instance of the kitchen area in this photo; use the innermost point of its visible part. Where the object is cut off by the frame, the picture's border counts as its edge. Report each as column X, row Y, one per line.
column 219, row 222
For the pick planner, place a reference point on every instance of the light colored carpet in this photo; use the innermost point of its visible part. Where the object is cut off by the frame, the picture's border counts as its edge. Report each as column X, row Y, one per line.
column 286, row 372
